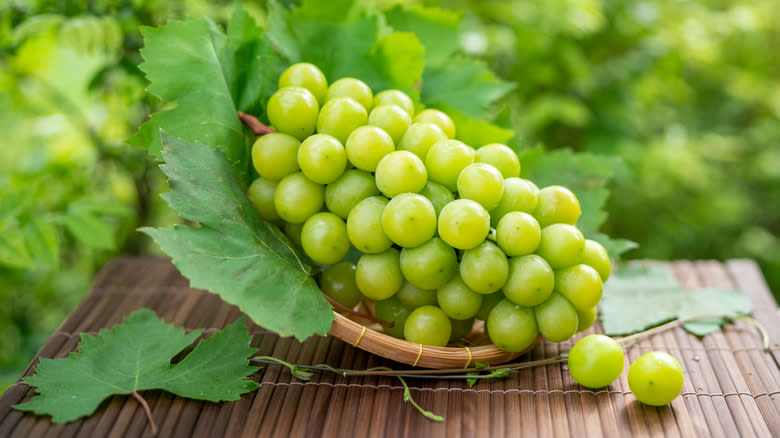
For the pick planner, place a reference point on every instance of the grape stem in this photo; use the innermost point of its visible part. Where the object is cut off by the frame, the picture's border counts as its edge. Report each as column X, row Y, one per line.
column 258, row 127
column 346, row 309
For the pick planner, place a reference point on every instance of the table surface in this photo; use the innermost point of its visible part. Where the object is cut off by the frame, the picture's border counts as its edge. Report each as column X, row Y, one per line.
column 732, row 386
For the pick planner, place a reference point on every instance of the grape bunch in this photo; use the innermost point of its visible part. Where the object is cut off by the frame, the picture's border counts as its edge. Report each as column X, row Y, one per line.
column 447, row 233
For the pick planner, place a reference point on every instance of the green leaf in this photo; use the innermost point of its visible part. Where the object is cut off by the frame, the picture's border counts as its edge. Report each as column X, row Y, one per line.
column 97, row 207
column 233, row 253
column 614, row 247
column 436, row 28
column 90, row 229
column 135, row 356
column 639, row 296
column 13, row 252
column 475, row 132
column 42, row 241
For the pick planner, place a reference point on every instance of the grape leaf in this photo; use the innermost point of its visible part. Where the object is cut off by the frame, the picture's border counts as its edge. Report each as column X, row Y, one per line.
column 639, row 296
column 135, row 356
column 233, row 252
column 436, row 28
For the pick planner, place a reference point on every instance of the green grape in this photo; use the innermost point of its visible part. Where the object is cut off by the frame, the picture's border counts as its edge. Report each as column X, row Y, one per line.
column 322, row 158
column 500, row 156
column 562, row 245
column 531, row 280
column 261, row 193
column 596, row 361
column 428, row 325
column 293, row 232
column 580, row 284
column 482, row 183
column 458, row 300
column 367, row 145
column 511, row 327
column 340, row 116
column 420, row 137
column 556, row 318
column 297, row 198
column 519, row 195
column 597, row 258
column 294, row 111
column 308, row 76
column 656, row 378
column 413, row 297
column 460, row 328
column 485, row 268
column 393, row 311
column 275, row 155
column 324, row 238
column 395, row 97
column 378, row 276
column 392, row 118
column 409, row 220
column 338, row 282
column 430, row 265
column 557, row 205
column 488, row 302
column 364, row 226
column 463, row 224
column 438, row 118
column 586, row 318
column 518, row 233
column 344, row 193
column 445, row 160
column 400, row 172
column 353, row 88
column 438, row 195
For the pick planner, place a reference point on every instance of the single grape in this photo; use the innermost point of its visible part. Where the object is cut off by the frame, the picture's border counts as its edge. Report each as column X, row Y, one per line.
column 463, row 223
column 445, row 160
column 519, row 195
column 409, row 220
column 340, row 116
column 428, row 325
column 500, row 156
column 364, row 226
column 367, row 145
column 656, row 378
column 413, row 297
column 338, row 282
column 420, row 137
column 275, row 155
column 378, row 276
column 322, row 158
column 438, row 118
column 293, row 232
column 596, row 361
column 392, row 118
column 458, row 300
column 393, row 311
column 556, row 318
column 531, row 280
column 511, row 327
column 580, row 284
column 562, row 245
column 438, row 195
column 308, row 76
column 518, row 234
column 400, row 172
column 261, row 193
column 586, row 318
column 324, row 238
column 395, row 97
column 482, row 183
column 488, row 302
column 557, row 205
column 297, row 198
column 430, row 265
column 597, row 258
column 485, row 268
column 352, row 88
column 352, row 187
column 460, row 328
column 294, row 111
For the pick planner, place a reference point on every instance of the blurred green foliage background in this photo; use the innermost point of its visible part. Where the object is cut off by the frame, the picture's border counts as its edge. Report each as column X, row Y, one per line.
column 686, row 93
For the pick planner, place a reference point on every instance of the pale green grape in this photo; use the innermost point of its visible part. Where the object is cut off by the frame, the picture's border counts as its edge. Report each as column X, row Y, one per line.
column 322, row 158
column 438, row 118
column 395, row 97
column 485, row 268
column 445, row 160
column 294, row 111
column 557, row 205
column 297, row 198
column 518, row 233
column 367, row 145
column 308, row 76
column 531, row 280
column 438, row 195
column 512, row 327
column 420, row 137
column 488, row 302
column 409, row 220
column 324, row 238
column 562, row 245
column 596, row 361
column 500, row 156
column 586, row 318
column 261, row 193
column 482, row 183
column 460, row 328
column 364, row 226
column 378, row 276
column 519, row 195
column 428, row 325
column 580, row 284
column 400, row 172
column 463, row 224
column 430, row 265
column 458, row 300
column 413, row 297
column 556, row 318
column 656, row 378
column 275, row 155
column 393, row 311
column 344, row 193
column 353, row 88
column 597, row 258
column 293, row 232
column 392, row 118
column 340, row 116
column 338, row 282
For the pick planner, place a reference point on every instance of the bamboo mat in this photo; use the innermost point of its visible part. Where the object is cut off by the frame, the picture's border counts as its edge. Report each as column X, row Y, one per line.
column 732, row 387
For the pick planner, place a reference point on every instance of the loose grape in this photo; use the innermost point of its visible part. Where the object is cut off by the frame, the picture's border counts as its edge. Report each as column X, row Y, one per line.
column 353, row 88
column 512, row 327
column 463, row 223
column 519, row 195
column 518, row 234
column 458, row 300
column 531, row 280
column 420, row 137
column 400, row 172
column 586, row 318
column 485, row 268
column 409, row 220
column 580, row 284
column 656, row 378
column 413, row 297
column 488, row 302
column 378, row 276
column 324, row 238
column 596, row 361
column 322, row 158
column 557, row 205
column 556, row 318
column 395, row 97
column 367, row 145
column 275, row 155
column 294, row 111
column 482, row 183
column 297, row 198
column 500, row 156
column 308, row 76
column 338, row 282
column 445, row 160
column 364, row 226
column 344, row 193
column 428, row 325
column 393, row 311
column 460, row 328
column 438, row 195
column 340, row 116
column 597, row 258
column 261, row 193
column 430, row 265
column 392, row 118
column 561, row 245
column 438, row 118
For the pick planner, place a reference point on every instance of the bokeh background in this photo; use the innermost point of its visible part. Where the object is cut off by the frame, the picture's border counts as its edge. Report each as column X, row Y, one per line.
column 685, row 93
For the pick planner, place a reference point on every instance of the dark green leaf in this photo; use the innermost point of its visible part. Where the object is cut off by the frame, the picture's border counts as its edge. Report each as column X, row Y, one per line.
column 436, row 28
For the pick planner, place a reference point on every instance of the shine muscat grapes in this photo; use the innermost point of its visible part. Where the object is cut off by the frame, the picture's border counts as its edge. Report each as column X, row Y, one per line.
column 447, row 234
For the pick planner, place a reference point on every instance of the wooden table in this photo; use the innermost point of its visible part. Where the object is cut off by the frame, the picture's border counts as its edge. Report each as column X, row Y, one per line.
column 732, row 386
